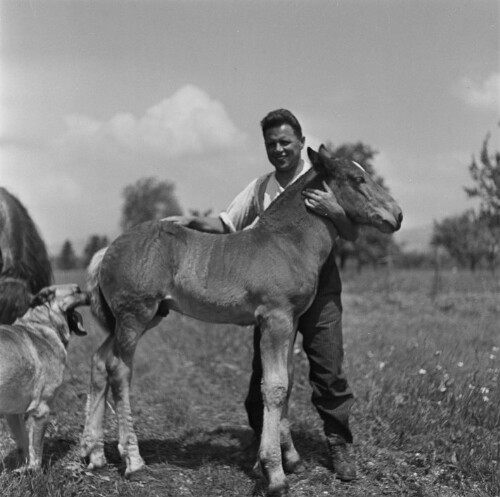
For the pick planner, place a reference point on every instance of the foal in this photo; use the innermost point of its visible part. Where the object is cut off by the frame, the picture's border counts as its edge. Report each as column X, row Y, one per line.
column 267, row 275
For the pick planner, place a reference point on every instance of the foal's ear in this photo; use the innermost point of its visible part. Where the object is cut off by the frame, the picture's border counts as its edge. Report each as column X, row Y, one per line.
column 316, row 159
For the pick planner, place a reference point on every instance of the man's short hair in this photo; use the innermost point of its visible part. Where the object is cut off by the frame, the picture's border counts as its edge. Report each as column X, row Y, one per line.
column 278, row 118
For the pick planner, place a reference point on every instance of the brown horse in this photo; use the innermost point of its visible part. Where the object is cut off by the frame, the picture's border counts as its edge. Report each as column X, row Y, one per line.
column 24, row 263
column 267, row 275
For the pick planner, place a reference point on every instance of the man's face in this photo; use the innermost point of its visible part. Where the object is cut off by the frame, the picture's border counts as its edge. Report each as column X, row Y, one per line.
column 283, row 148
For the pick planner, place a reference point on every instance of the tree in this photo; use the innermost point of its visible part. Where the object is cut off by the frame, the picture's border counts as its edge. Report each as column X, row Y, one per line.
column 146, row 200
column 486, row 176
column 463, row 237
column 94, row 244
column 372, row 246
column 67, row 258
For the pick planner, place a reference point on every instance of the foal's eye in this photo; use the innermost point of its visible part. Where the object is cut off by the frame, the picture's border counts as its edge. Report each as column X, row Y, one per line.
column 359, row 180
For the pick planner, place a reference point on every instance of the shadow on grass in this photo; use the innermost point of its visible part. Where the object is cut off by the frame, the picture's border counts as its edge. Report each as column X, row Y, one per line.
column 232, row 447
column 54, row 449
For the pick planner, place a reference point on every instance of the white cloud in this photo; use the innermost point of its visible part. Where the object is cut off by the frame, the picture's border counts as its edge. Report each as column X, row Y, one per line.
column 481, row 95
column 188, row 122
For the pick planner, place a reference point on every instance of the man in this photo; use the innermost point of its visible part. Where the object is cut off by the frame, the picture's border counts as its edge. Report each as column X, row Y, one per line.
column 321, row 325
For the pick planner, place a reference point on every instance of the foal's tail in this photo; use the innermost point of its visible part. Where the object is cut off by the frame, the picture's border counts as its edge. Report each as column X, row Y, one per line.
column 98, row 305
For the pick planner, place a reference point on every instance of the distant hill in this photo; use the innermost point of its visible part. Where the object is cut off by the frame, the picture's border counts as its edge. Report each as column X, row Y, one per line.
column 415, row 239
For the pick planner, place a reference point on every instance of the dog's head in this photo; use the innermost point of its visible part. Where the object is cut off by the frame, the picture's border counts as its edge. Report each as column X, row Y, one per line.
column 62, row 300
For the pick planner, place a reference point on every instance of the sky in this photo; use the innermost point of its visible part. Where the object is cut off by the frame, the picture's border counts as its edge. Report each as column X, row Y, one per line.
column 95, row 95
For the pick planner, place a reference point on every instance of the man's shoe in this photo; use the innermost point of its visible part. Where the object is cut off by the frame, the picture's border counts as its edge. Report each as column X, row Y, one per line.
column 341, row 458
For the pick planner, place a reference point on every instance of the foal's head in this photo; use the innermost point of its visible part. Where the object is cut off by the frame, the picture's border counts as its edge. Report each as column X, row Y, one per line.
column 364, row 200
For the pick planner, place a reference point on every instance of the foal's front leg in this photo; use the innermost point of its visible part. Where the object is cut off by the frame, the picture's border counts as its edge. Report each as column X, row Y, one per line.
column 292, row 462
column 276, row 334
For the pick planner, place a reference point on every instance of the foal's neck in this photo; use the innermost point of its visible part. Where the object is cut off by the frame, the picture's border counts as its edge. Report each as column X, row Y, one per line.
column 288, row 214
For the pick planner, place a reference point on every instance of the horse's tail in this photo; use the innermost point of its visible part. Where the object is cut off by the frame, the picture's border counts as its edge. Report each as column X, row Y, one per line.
column 98, row 305
column 15, row 299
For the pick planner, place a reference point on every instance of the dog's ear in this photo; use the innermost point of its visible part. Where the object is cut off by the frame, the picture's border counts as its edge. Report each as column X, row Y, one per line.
column 43, row 296
column 75, row 300
column 75, row 323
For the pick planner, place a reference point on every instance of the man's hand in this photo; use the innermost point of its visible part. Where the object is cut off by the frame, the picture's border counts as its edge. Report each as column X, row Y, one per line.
column 324, row 203
column 182, row 220
column 199, row 223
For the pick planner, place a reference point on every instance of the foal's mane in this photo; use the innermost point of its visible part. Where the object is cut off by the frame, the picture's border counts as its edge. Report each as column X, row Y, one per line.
column 23, row 254
column 276, row 213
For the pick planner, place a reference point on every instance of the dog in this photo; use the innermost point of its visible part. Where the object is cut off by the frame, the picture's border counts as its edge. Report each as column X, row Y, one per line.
column 32, row 363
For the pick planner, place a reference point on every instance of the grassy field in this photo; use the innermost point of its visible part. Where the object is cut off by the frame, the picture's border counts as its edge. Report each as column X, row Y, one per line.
column 423, row 360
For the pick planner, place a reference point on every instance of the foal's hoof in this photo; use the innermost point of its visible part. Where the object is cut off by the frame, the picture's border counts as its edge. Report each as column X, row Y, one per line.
column 295, row 467
column 137, row 475
column 26, row 470
column 97, row 465
column 282, row 491
column 95, row 460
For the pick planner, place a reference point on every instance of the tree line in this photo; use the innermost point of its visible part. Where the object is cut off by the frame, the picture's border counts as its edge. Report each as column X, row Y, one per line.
column 470, row 239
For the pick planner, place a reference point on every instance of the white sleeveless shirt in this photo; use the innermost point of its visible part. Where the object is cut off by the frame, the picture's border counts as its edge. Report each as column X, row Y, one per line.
column 246, row 208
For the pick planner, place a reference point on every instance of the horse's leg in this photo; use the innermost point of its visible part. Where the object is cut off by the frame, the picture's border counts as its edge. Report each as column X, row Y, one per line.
column 128, row 332
column 276, row 330
column 291, row 458
column 92, row 444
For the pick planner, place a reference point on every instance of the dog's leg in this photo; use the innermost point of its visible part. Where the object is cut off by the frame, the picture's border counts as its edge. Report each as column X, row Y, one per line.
column 92, row 444
column 18, row 428
column 36, row 424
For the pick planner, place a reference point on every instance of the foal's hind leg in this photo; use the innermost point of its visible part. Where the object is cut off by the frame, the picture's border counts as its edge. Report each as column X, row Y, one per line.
column 92, row 444
column 128, row 333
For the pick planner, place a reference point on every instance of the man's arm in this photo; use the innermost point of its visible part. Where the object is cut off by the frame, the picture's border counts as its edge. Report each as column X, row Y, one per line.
column 240, row 214
column 325, row 204
column 199, row 223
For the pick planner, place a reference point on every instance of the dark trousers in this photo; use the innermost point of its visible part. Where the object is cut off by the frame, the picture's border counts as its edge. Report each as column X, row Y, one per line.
column 321, row 329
